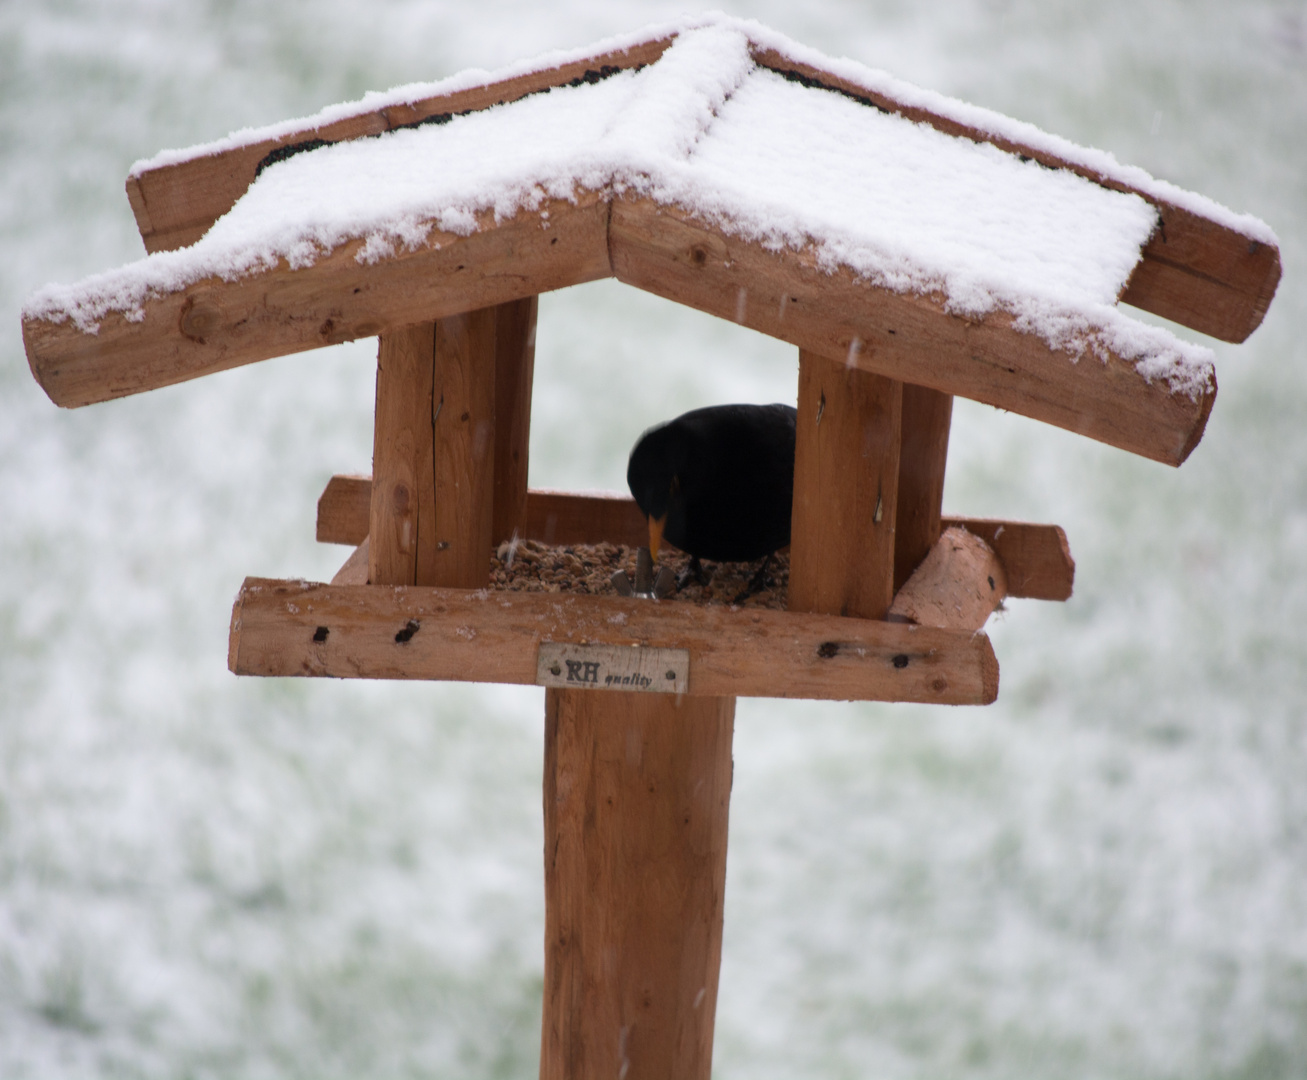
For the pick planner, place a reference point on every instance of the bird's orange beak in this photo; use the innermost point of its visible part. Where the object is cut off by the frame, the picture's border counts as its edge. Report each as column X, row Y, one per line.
column 656, row 534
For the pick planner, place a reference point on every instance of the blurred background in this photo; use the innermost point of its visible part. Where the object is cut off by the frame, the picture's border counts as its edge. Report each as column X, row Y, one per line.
column 1104, row 874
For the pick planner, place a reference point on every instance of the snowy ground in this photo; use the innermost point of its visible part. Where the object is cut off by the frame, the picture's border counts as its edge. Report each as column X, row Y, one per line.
column 1105, row 874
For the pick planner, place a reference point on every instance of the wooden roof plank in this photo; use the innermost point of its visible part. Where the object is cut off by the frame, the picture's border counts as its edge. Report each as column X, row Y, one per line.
column 788, row 295
column 215, row 325
column 1193, row 270
column 175, row 204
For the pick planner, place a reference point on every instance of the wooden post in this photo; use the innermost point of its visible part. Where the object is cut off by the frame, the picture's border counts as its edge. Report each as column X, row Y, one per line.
column 433, row 458
column 846, row 471
column 403, row 482
column 515, row 349
column 636, row 798
column 927, row 415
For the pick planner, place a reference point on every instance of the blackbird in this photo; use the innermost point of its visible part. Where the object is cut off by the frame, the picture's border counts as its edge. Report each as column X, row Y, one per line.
column 717, row 482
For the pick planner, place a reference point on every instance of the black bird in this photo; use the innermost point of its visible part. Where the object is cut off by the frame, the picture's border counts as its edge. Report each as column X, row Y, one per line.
column 718, row 482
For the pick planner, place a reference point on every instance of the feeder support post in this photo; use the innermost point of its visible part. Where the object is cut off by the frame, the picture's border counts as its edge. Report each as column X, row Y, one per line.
column 927, row 415
column 636, row 799
column 846, row 475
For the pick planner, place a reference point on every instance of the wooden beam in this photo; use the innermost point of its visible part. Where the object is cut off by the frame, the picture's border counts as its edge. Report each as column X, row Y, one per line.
column 957, row 586
column 354, row 570
column 1199, row 273
column 515, row 348
column 637, row 796
column 846, row 474
column 296, row 628
column 402, row 509
column 1036, row 558
column 344, row 509
column 789, row 295
column 215, row 325
column 176, row 204
column 465, row 437
column 927, row 416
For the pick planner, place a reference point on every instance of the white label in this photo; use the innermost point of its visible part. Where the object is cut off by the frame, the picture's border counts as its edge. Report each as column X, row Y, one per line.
column 613, row 667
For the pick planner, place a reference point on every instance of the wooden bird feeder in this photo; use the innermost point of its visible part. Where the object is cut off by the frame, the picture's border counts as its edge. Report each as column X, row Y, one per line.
column 886, row 596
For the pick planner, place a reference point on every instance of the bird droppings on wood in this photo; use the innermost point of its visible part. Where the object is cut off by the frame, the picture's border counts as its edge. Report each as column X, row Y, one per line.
column 406, row 635
column 587, row 569
column 828, row 649
column 320, row 634
column 901, row 661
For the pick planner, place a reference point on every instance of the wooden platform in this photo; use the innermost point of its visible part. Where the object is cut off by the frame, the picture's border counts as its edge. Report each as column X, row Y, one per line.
column 298, row 628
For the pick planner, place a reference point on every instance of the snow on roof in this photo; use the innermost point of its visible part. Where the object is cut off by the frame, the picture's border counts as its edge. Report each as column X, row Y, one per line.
column 904, row 206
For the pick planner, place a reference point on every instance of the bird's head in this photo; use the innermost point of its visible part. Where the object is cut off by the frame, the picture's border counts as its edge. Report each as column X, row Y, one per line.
column 652, row 476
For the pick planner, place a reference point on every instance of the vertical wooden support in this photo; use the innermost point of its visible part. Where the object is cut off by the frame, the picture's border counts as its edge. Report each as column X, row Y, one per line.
column 927, row 415
column 515, row 349
column 433, row 453
column 403, row 507
column 846, row 470
column 636, row 798
column 464, row 410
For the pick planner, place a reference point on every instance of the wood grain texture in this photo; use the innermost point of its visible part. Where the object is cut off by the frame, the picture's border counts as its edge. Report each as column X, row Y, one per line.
column 402, row 513
column 1036, row 558
column 957, row 586
column 636, row 799
column 464, row 423
column 215, row 325
column 1194, row 271
column 846, row 474
column 788, row 295
column 354, row 570
column 296, row 628
column 927, row 416
column 344, row 509
column 176, row 204
column 515, row 347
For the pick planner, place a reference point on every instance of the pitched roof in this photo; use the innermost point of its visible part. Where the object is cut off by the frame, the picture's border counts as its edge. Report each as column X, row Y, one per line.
column 713, row 163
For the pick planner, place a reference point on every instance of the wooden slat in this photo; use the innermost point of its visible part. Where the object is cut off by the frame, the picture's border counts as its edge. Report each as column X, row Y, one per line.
column 1201, row 274
column 1037, row 558
column 175, row 204
column 226, row 324
column 464, row 397
column 846, row 474
column 343, row 510
column 284, row 628
column 927, row 416
column 515, row 347
column 788, row 295
column 637, row 796
column 957, row 586
column 402, row 513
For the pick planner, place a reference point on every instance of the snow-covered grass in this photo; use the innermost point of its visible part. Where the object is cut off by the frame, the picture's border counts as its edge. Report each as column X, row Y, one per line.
column 1104, row 874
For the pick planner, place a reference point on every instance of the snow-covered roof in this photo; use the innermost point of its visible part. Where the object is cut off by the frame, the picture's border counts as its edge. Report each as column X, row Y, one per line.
column 769, row 158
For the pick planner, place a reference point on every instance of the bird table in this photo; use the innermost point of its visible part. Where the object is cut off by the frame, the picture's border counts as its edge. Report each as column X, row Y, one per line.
column 654, row 159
